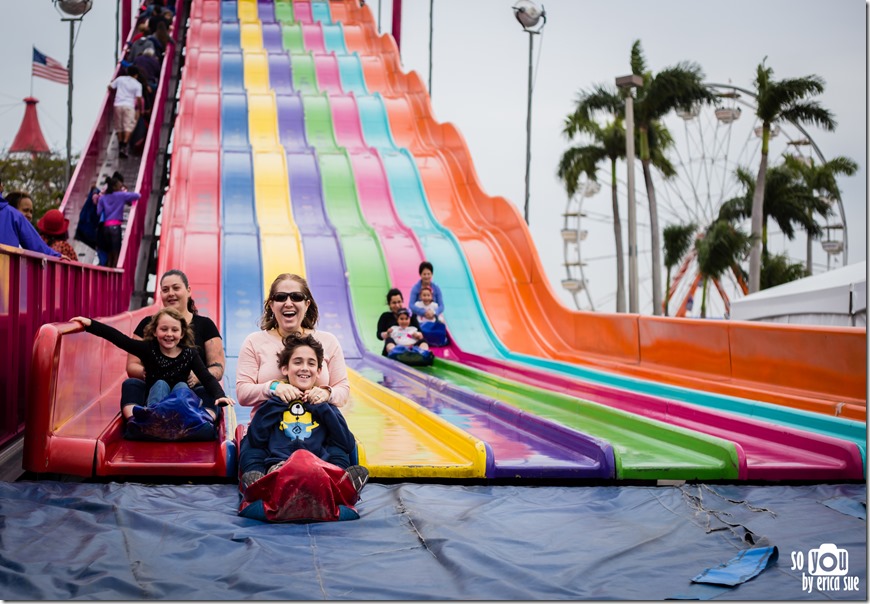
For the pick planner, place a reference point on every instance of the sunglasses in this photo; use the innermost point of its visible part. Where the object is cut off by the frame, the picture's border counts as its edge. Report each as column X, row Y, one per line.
column 294, row 296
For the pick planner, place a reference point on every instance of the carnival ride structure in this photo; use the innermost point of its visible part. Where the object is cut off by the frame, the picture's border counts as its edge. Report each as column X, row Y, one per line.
column 301, row 146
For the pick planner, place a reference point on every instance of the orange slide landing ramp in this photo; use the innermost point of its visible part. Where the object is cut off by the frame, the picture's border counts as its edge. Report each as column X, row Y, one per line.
column 817, row 369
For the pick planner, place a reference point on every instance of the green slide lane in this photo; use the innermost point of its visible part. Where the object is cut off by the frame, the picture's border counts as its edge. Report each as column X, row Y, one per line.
column 304, row 72
column 284, row 14
column 318, row 125
column 363, row 255
column 292, row 37
column 643, row 448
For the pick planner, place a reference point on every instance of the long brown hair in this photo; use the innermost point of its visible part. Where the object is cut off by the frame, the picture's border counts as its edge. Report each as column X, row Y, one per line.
column 187, row 339
column 191, row 305
column 268, row 320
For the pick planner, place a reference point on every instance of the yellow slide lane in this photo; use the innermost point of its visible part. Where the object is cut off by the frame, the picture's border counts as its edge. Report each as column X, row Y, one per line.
column 398, row 438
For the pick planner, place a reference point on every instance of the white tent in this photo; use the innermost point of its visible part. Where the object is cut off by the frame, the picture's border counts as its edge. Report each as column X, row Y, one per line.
column 837, row 297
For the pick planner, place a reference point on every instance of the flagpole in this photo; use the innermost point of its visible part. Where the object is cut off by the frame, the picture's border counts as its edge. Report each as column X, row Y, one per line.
column 78, row 11
column 69, row 105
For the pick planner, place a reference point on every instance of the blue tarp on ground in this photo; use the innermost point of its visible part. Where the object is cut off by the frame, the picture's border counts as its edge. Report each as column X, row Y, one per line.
column 422, row 541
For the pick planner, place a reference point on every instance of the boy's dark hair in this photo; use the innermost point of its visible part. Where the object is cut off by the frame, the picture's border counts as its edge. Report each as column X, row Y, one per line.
column 187, row 339
column 424, row 265
column 394, row 291
column 293, row 341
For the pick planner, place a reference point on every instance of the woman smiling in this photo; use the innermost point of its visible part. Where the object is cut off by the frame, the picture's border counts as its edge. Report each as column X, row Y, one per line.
column 289, row 309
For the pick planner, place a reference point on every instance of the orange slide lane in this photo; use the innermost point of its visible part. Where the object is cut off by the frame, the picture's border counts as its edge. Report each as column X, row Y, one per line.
column 819, row 369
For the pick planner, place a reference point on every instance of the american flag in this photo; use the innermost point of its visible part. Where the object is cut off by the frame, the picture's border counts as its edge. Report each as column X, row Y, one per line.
column 48, row 68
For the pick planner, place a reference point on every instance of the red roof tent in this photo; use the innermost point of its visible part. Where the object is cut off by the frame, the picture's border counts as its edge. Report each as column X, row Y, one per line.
column 29, row 138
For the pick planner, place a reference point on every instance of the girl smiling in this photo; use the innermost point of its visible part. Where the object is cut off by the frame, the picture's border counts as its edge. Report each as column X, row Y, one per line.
column 168, row 353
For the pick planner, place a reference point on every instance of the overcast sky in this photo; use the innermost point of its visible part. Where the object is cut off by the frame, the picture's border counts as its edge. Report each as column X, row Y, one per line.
column 479, row 83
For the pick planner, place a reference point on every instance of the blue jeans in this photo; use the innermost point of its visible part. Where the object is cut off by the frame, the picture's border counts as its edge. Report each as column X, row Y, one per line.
column 160, row 390
column 135, row 392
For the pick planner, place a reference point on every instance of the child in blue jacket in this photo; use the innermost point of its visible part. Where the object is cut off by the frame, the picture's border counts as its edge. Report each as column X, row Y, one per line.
column 276, row 430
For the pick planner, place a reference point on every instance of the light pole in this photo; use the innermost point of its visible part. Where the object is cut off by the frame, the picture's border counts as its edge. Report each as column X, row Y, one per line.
column 529, row 16
column 627, row 83
column 431, row 28
column 77, row 9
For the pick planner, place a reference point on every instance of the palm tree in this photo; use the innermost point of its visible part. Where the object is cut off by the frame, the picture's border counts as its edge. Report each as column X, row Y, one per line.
column 580, row 160
column 722, row 246
column 577, row 161
column 787, row 200
column 777, row 101
column 776, row 270
column 678, row 239
column 822, row 180
column 605, row 100
column 677, row 87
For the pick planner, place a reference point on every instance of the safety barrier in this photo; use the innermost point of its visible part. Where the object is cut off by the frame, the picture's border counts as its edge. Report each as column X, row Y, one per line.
column 34, row 290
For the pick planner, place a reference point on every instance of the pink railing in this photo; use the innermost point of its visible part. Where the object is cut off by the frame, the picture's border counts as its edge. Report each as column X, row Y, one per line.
column 136, row 220
column 94, row 154
column 35, row 290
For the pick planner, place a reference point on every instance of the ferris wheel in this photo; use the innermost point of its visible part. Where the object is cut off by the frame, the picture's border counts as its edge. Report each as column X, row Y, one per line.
column 710, row 143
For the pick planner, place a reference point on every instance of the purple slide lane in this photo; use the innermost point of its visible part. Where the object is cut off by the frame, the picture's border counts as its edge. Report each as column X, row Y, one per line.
column 521, row 444
column 266, row 12
column 273, row 38
column 280, row 73
column 291, row 123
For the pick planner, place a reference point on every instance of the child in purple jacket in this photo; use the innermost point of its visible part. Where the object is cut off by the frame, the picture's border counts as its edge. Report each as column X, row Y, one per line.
column 111, row 208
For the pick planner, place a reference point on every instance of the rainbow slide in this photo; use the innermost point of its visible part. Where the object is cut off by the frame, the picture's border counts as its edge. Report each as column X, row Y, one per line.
column 300, row 146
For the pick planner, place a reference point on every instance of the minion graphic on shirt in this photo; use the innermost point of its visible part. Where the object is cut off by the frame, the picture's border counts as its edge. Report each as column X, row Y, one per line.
column 297, row 423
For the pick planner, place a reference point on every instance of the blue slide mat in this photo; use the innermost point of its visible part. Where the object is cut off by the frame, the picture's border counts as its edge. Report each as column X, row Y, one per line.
column 428, row 541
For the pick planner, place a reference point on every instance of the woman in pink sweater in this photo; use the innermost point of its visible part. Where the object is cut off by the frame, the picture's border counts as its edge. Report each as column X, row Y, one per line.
column 290, row 308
